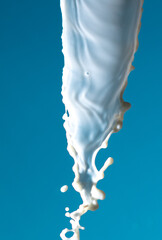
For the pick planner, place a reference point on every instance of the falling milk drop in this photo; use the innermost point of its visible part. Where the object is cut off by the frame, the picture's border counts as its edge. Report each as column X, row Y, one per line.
column 99, row 42
column 64, row 188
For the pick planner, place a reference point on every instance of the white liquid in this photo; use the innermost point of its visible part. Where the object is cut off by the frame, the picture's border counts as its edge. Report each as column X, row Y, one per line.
column 64, row 188
column 66, row 209
column 99, row 41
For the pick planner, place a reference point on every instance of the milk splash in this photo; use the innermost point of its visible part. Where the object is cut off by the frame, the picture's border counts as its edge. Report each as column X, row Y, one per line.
column 99, row 42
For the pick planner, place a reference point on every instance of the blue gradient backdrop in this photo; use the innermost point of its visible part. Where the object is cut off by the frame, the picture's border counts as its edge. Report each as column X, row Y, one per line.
column 34, row 162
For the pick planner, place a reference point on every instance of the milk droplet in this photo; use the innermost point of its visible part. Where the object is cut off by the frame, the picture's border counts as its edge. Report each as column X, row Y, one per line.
column 64, row 188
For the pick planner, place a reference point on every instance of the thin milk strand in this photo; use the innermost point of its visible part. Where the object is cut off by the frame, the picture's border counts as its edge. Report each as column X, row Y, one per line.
column 99, row 41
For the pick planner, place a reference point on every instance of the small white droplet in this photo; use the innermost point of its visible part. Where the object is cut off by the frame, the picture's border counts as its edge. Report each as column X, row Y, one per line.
column 66, row 209
column 64, row 188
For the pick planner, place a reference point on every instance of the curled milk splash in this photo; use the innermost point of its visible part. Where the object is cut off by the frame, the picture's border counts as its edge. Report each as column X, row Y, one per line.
column 99, row 41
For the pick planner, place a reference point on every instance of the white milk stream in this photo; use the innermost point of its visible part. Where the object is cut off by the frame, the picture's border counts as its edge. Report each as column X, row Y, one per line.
column 99, row 41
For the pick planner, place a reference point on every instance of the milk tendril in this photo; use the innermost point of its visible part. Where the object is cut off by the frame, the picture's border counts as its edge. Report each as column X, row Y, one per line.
column 99, row 42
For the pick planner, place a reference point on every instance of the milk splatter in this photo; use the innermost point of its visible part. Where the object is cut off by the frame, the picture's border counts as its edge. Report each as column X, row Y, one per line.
column 99, row 42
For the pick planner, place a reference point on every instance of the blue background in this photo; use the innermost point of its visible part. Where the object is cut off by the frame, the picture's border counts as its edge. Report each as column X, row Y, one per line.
column 34, row 162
